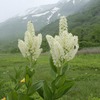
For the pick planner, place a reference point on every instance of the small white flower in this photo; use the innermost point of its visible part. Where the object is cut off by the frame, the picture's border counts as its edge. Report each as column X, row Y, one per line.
column 23, row 48
column 69, row 44
column 31, row 44
column 30, row 28
column 63, row 25
column 56, row 51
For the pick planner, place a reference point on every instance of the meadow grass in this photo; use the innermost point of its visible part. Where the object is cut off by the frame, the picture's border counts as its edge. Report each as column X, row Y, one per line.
column 84, row 69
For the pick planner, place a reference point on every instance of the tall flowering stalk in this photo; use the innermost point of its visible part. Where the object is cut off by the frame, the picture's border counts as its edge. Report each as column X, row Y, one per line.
column 63, row 48
column 30, row 47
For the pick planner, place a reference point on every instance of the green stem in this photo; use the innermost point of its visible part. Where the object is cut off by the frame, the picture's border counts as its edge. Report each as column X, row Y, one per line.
column 59, row 71
column 31, row 61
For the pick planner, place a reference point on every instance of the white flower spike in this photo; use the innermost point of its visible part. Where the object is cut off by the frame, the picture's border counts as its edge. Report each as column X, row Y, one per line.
column 31, row 44
column 56, row 51
column 63, row 25
column 64, row 46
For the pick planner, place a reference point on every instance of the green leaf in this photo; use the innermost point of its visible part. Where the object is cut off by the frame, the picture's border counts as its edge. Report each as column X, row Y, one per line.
column 40, row 92
column 28, row 76
column 52, row 65
column 64, row 89
column 27, row 80
column 59, row 81
column 35, row 87
column 30, row 71
column 47, row 92
column 64, row 67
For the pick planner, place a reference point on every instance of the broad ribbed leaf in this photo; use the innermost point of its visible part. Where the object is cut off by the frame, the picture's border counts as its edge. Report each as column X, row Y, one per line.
column 64, row 89
column 40, row 92
column 30, row 71
column 59, row 81
column 47, row 92
column 35, row 87
column 52, row 65
column 64, row 68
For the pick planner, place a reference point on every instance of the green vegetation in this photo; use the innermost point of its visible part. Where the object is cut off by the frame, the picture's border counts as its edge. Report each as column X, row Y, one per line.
column 84, row 69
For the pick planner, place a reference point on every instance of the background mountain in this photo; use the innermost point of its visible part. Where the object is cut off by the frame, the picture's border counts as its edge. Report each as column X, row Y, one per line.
column 83, row 21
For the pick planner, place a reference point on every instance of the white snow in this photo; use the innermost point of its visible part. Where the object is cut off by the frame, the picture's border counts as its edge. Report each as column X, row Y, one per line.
column 73, row 1
column 34, row 11
column 24, row 18
column 59, row 14
column 41, row 14
column 49, row 18
column 54, row 10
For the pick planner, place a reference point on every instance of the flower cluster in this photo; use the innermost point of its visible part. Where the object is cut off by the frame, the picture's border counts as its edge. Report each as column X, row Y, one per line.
column 31, row 44
column 64, row 46
column 63, row 25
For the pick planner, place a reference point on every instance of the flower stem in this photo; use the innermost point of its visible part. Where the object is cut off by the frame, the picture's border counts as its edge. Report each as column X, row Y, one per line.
column 59, row 71
column 31, row 61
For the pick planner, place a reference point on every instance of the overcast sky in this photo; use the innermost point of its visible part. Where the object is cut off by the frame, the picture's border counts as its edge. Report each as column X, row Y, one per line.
column 9, row 8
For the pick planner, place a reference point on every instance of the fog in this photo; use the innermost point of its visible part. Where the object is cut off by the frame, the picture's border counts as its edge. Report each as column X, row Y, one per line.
column 9, row 8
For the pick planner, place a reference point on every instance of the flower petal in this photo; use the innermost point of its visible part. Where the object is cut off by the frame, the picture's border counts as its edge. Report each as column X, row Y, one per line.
column 30, row 28
column 23, row 48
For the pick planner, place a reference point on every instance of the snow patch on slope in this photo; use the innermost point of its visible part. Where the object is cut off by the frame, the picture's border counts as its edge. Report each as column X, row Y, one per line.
column 54, row 10
column 73, row 1
column 33, row 11
column 24, row 18
column 41, row 14
column 59, row 14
